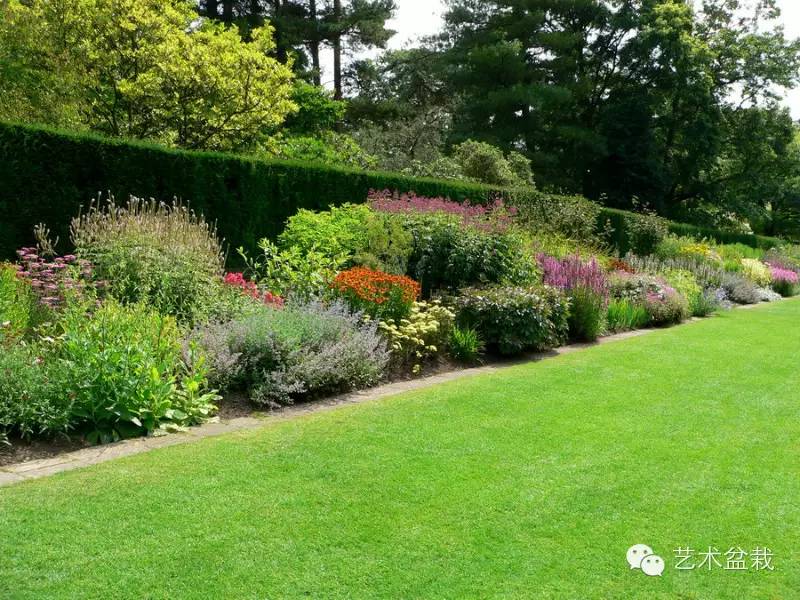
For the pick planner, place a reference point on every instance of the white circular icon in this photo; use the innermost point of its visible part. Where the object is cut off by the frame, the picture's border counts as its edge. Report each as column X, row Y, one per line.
column 637, row 553
column 652, row 565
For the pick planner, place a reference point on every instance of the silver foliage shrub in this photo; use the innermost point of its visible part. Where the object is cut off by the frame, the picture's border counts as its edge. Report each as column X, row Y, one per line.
column 279, row 355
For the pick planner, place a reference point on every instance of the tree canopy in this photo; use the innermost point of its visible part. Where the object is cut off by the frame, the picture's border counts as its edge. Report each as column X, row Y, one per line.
column 141, row 68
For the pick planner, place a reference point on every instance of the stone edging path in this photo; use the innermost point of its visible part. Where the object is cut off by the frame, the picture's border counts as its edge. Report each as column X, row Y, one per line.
column 77, row 459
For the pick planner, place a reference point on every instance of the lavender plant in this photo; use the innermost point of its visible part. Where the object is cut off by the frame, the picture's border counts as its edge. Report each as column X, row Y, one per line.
column 279, row 355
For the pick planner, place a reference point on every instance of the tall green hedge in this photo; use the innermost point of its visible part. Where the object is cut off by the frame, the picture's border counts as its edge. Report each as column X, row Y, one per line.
column 620, row 222
column 47, row 176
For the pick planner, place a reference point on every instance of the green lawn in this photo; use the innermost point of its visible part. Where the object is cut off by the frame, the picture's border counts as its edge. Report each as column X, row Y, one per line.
column 532, row 482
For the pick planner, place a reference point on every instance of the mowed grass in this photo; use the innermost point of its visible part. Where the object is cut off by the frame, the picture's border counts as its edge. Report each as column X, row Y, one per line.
column 528, row 483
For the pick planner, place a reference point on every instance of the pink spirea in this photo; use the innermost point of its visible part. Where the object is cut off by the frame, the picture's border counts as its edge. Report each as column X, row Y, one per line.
column 572, row 272
column 493, row 217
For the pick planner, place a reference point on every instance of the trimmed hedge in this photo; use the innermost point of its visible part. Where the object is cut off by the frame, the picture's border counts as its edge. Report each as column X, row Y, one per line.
column 725, row 237
column 620, row 237
column 47, row 176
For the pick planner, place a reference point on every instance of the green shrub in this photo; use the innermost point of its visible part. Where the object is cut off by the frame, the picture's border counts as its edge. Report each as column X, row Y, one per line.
column 465, row 344
column 572, row 217
column 724, row 237
column 625, row 315
column 639, row 233
column 123, row 370
column 448, row 256
column 785, row 288
column 292, row 272
column 353, row 232
column 483, row 162
column 150, row 252
column 666, row 307
column 17, row 305
column 279, row 355
column 34, row 393
column 513, row 320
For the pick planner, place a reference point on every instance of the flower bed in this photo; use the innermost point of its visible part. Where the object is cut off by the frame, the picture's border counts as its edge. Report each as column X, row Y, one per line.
column 140, row 328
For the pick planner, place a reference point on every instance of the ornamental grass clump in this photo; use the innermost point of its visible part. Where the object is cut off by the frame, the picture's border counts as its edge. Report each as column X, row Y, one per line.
column 586, row 285
column 165, row 255
column 625, row 315
column 377, row 294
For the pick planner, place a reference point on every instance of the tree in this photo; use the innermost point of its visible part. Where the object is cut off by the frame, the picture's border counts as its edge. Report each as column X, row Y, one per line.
column 148, row 69
column 303, row 27
column 621, row 98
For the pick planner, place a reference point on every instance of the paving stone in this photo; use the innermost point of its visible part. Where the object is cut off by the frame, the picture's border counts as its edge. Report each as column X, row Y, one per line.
column 9, row 478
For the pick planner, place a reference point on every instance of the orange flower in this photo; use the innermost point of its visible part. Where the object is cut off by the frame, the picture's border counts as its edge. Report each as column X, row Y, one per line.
column 371, row 290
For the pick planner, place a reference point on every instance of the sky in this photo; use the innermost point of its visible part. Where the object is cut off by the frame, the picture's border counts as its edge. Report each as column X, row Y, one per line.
column 417, row 18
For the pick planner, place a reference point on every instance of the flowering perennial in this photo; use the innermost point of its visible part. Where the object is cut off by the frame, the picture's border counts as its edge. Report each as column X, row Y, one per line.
column 376, row 293
column 52, row 280
column 249, row 288
column 571, row 273
column 495, row 217
column 780, row 274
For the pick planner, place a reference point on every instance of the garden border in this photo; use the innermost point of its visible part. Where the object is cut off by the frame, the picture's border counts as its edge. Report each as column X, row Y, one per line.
column 35, row 469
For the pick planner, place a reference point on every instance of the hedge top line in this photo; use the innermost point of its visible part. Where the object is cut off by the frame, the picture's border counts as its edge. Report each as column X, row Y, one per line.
column 48, row 175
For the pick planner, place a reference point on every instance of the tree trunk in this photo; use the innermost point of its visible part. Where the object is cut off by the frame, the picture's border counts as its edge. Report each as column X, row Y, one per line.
column 227, row 11
column 337, row 50
column 212, row 9
column 314, row 42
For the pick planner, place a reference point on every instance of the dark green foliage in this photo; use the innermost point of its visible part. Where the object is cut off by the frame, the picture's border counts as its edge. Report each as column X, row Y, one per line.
column 639, row 233
column 725, row 237
column 572, row 216
column 47, row 176
column 124, row 373
column 514, row 320
column 447, row 255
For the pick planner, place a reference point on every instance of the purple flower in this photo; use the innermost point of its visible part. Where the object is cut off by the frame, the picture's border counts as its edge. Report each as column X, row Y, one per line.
column 572, row 272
